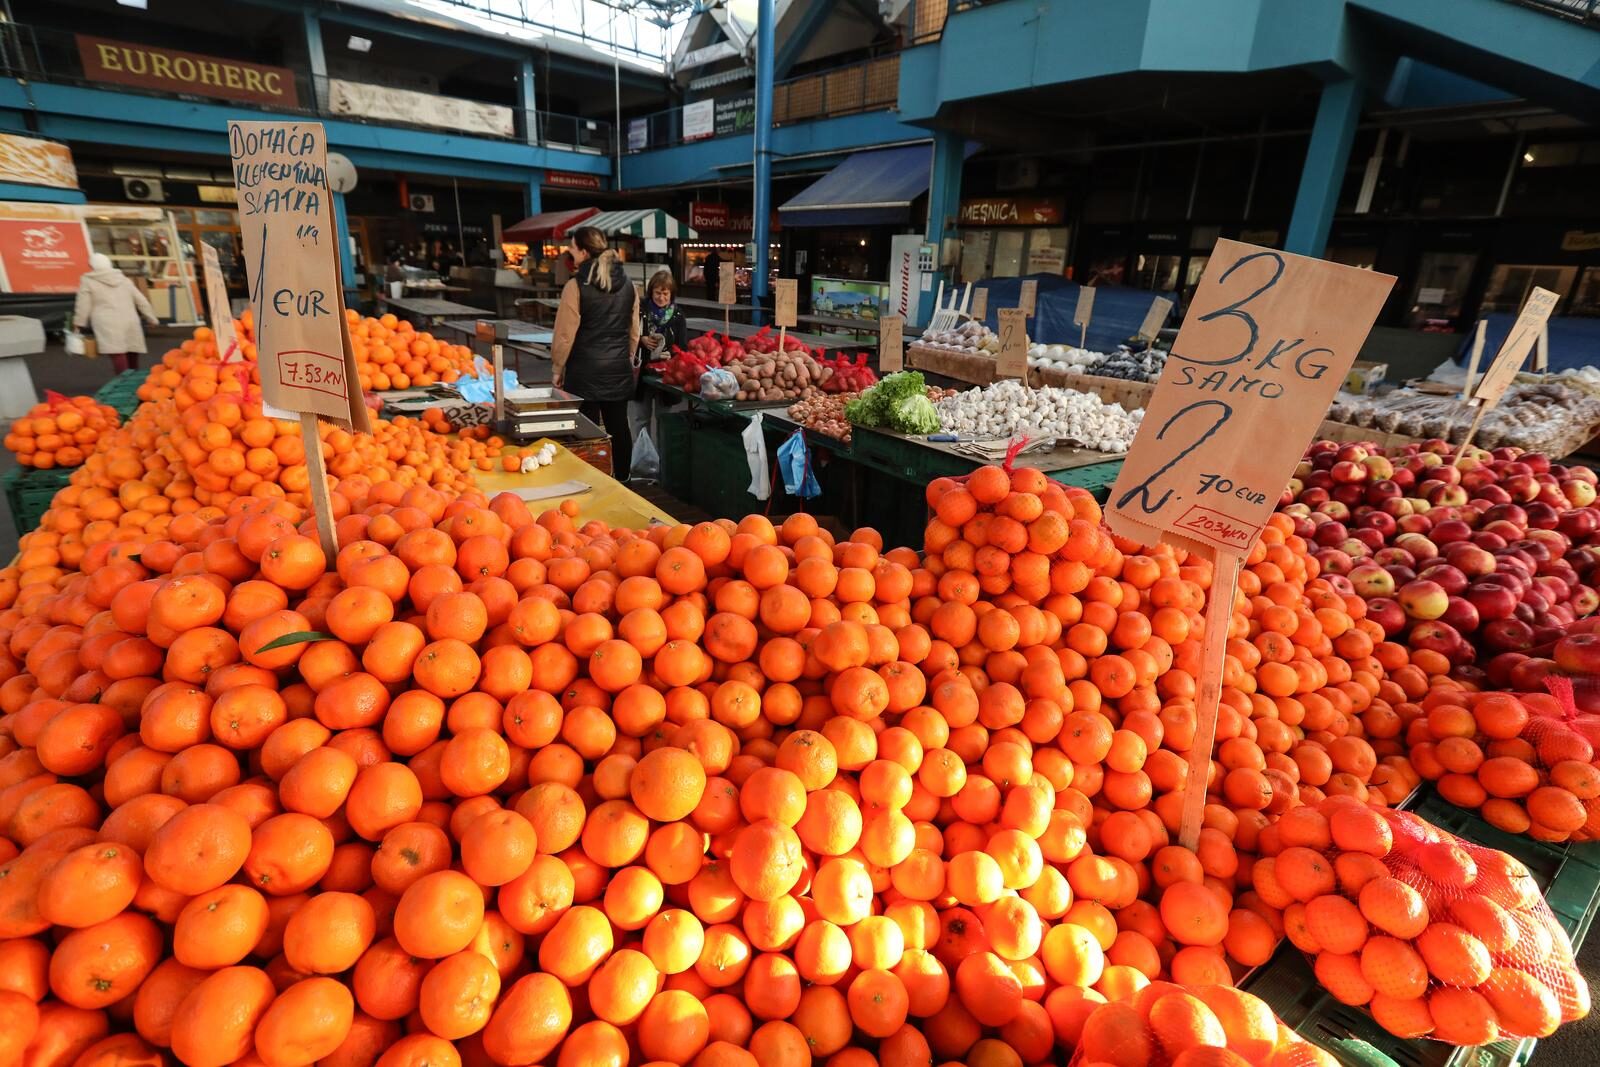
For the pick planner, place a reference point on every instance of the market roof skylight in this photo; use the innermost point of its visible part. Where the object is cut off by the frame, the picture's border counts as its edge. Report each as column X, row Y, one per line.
column 639, row 32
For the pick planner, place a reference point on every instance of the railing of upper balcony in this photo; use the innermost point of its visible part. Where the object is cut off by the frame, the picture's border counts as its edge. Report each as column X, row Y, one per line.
column 1581, row 10
column 36, row 54
column 926, row 18
column 870, row 85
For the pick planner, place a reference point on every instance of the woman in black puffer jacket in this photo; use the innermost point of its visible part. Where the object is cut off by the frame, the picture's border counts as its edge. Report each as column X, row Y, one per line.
column 594, row 352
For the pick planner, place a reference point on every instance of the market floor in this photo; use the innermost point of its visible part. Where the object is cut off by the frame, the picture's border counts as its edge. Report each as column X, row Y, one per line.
column 53, row 369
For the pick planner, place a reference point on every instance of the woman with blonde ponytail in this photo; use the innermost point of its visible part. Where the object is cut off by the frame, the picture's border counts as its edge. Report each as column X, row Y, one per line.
column 594, row 353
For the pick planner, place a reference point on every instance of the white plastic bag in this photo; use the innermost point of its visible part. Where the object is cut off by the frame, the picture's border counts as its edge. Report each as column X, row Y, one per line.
column 646, row 460
column 755, row 453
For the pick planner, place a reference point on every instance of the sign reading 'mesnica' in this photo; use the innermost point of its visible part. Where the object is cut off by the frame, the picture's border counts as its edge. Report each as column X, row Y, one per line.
column 170, row 70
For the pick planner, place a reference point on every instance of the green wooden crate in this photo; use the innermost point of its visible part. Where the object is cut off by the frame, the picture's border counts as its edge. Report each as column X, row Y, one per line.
column 121, row 392
column 1097, row 478
column 29, row 492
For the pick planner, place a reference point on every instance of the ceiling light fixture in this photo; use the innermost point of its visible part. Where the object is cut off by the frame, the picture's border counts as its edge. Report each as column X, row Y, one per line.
column 358, row 44
column 142, row 5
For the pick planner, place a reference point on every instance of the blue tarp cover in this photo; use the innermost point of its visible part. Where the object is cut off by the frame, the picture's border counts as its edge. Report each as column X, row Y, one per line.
column 866, row 189
column 1118, row 311
column 1574, row 342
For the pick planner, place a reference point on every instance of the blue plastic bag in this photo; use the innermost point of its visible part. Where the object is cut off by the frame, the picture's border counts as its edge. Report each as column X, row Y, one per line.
column 481, row 390
column 794, row 464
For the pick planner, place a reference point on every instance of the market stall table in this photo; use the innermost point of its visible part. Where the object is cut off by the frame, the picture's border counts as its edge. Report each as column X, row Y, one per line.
column 696, row 304
column 606, row 499
column 878, row 479
column 431, row 311
column 522, row 339
column 742, row 330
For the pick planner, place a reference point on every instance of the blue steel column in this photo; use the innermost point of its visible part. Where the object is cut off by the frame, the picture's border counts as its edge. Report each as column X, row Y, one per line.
column 532, row 195
column 347, row 260
column 316, row 57
column 1338, row 114
column 762, row 207
column 944, row 204
column 530, row 114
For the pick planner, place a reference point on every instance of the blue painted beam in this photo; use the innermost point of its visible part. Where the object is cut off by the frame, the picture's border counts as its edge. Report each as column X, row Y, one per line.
column 1327, row 156
column 1014, row 45
column 97, row 116
column 761, row 198
column 719, row 158
column 809, row 19
column 341, row 229
column 944, row 207
column 40, row 194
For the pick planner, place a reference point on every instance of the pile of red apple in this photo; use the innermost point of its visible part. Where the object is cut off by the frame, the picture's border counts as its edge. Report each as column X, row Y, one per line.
column 1484, row 562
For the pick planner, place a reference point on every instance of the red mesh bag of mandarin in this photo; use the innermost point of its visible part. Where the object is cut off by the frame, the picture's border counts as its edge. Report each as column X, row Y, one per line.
column 1524, row 761
column 1170, row 1025
column 1434, row 936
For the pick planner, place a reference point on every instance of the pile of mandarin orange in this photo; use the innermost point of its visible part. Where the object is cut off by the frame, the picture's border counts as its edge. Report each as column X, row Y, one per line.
column 491, row 787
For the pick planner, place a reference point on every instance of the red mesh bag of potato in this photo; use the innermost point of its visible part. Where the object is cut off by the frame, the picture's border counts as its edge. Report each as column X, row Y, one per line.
column 1434, row 936
column 1169, row 1025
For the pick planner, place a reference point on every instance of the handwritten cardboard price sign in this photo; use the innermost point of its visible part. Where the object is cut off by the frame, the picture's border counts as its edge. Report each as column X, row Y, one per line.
column 1028, row 299
column 217, row 306
column 291, row 250
column 292, row 260
column 1012, row 362
column 1526, row 333
column 1266, row 342
column 1082, row 313
column 1156, row 317
column 1514, row 353
column 783, row 298
column 980, row 304
column 891, row 352
column 727, row 287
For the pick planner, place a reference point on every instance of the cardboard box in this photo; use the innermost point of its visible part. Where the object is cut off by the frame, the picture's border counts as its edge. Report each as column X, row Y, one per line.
column 1365, row 377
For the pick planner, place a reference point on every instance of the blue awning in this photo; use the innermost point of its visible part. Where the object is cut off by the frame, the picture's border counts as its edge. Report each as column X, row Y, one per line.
column 866, row 189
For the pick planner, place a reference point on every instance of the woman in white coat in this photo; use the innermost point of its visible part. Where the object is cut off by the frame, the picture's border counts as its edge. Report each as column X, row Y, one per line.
column 111, row 306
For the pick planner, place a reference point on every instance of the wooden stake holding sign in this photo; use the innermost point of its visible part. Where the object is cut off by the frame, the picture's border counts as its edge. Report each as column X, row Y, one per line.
column 291, row 247
column 1472, row 363
column 1081, row 314
column 783, row 307
column 217, row 306
column 1524, row 335
column 891, row 344
column 1012, row 360
column 727, row 293
column 1268, row 339
column 1541, row 351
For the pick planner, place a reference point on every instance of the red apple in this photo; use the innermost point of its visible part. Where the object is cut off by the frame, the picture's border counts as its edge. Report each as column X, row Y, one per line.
column 1436, row 636
column 1421, row 548
column 1448, row 578
column 1470, row 559
column 1371, row 581
column 1387, row 614
column 1498, row 669
column 1492, row 599
column 1529, row 675
column 1423, row 599
column 1346, row 471
column 1378, row 468
column 1461, row 615
column 1506, row 635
